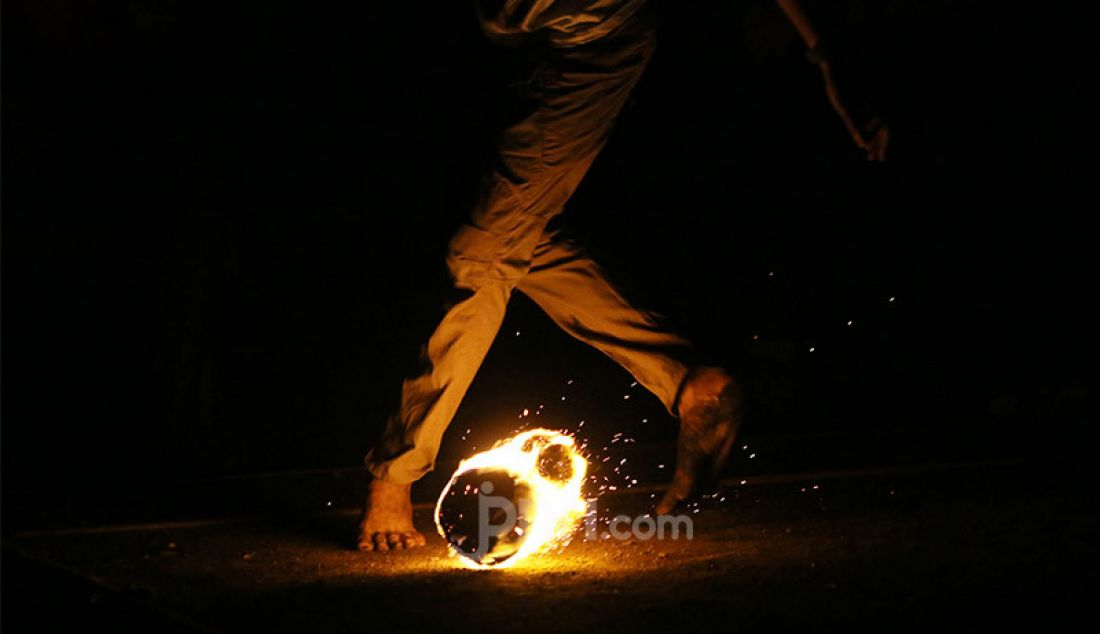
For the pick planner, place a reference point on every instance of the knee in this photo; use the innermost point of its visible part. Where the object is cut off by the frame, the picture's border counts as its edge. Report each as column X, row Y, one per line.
column 470, row 258
column 477, row 257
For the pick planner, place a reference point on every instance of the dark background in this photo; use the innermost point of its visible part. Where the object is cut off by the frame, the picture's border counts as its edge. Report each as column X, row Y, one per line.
column 223, row 227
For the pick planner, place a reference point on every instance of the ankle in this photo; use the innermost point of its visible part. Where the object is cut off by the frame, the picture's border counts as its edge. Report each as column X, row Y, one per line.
column 702, row 383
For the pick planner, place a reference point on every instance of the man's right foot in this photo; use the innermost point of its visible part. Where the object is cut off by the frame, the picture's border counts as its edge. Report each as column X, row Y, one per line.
column 710, row 408
column 387, row 518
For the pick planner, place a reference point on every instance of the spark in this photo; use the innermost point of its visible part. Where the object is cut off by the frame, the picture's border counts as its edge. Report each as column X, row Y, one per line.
column 556, row 504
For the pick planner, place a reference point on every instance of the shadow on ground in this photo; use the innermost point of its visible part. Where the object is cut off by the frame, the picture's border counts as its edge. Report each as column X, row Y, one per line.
column 963, row 548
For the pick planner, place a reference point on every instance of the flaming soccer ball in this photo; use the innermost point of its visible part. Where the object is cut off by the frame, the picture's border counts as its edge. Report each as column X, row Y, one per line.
column 521, row 497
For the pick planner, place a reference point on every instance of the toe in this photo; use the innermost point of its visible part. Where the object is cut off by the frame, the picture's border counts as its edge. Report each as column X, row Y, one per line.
column 365, row 543
column 668, row 503
column 380, row 542
column 680, row 487
column 413, row 539
column 394, row 541
column 671, row 498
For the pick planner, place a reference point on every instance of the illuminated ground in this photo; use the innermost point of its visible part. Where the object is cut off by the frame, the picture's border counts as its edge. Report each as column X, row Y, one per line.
column 919, row 549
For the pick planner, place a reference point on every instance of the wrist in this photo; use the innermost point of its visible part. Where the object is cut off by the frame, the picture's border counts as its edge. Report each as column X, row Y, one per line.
column 817, row 54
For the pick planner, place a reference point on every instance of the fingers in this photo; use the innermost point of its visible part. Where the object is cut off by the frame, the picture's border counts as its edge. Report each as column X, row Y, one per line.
column 879, row 143
column 871, row 138
column 876, row 149
column 877, row 136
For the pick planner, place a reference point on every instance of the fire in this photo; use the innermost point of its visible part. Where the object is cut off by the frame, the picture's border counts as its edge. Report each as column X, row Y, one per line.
column 540, row 472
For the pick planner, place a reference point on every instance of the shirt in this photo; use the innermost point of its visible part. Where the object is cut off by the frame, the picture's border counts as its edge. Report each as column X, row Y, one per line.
column 562, row 23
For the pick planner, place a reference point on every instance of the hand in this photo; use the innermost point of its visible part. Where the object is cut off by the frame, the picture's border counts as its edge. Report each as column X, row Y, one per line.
column 870, row 133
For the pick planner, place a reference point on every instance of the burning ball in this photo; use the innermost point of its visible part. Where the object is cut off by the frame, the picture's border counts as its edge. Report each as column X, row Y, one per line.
column 520, row 497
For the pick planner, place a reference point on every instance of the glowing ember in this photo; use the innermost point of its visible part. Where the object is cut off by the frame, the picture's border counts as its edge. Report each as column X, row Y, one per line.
column 521, row 497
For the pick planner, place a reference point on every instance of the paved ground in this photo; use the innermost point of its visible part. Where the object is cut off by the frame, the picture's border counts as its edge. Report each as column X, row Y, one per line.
column 945, row 548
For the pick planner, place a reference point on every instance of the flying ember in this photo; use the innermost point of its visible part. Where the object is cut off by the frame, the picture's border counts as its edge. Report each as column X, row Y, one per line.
column 521, row 497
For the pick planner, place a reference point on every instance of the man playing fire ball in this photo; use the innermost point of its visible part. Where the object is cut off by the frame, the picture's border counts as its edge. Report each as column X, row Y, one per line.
column 593, row 52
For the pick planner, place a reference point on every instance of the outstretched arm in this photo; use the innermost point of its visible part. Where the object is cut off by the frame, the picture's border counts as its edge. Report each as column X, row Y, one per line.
column 801, row 23
column 873, row 135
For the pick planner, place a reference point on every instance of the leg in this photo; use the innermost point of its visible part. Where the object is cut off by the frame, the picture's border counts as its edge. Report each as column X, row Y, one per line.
column 574, row 292
column 451, row 358
column 581, row 95
column 576, row 93
column 428, row 402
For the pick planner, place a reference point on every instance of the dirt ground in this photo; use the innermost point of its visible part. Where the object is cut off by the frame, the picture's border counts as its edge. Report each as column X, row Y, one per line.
column 959, row 548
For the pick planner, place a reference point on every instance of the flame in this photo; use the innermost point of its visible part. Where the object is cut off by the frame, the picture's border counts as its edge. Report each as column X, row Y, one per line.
column 552, row 469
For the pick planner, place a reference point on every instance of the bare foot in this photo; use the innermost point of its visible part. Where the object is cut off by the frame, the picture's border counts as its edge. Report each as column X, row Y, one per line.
column 710, row 415
column 387, row 518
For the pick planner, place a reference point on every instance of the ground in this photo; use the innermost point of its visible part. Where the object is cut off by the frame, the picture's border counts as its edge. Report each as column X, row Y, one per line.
column 927, row 546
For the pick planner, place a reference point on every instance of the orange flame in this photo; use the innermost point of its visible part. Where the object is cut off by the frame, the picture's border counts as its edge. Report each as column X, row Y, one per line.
column 551, row 470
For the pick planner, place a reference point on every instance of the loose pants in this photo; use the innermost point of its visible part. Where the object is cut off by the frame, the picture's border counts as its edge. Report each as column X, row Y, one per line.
column 576, row 95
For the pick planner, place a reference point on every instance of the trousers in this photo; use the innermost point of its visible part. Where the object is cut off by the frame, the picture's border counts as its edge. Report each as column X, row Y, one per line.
column 575, row 95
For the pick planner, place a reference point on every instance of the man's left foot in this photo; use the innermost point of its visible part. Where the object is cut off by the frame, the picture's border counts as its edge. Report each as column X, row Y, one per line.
column 711, row 406
column 387, row 518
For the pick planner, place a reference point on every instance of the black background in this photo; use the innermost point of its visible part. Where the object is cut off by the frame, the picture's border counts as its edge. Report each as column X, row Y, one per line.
column 223, row 226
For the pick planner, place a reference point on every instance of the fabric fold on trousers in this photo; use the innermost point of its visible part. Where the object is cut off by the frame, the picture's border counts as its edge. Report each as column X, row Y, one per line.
column 577, row 94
